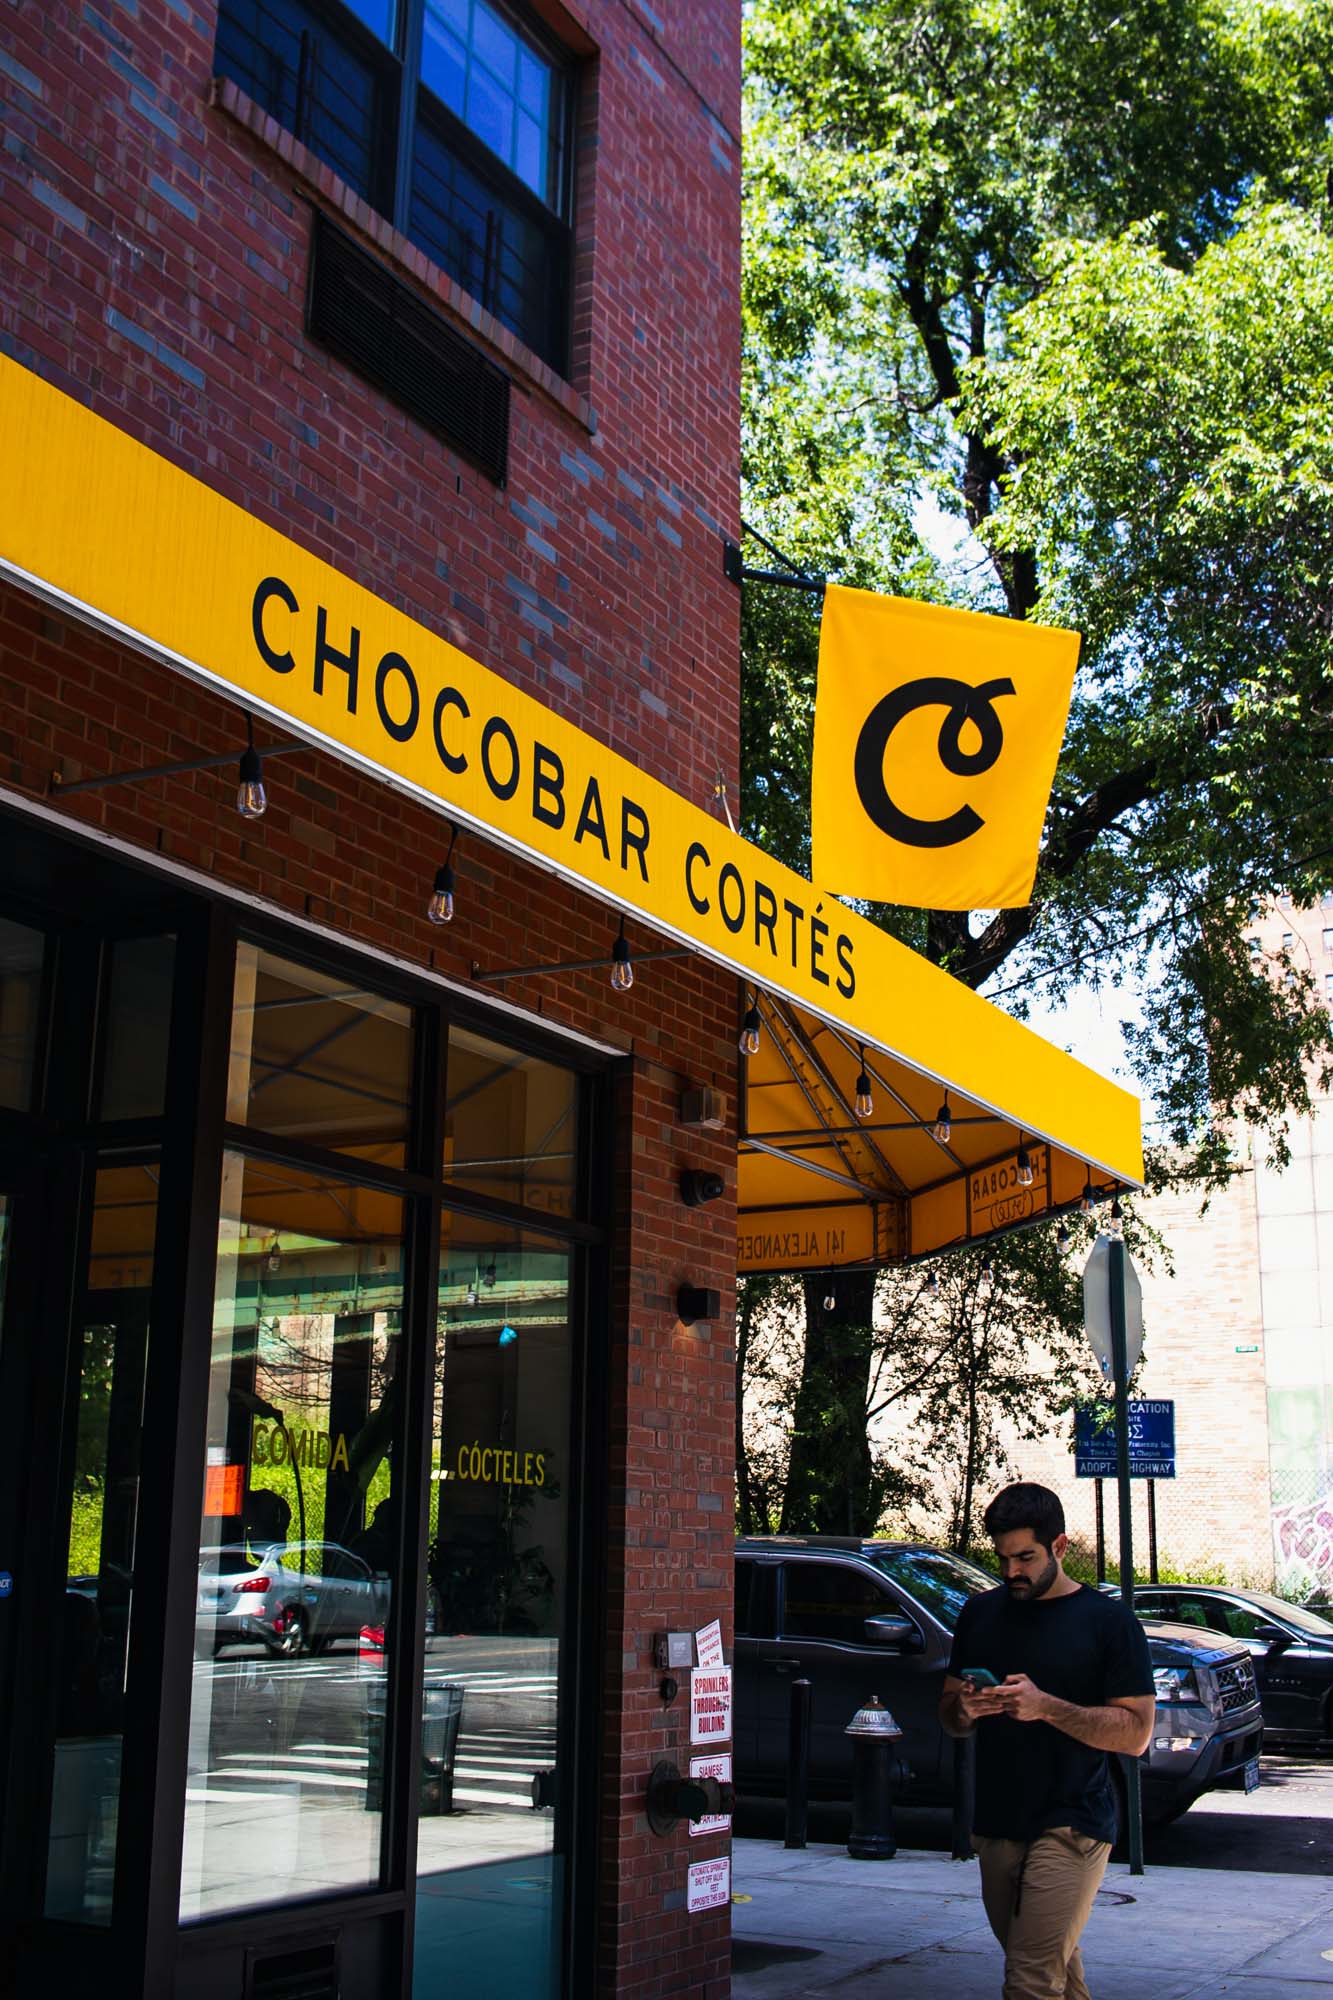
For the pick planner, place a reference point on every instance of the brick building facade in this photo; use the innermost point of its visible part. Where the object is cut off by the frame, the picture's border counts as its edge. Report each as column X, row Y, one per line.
column 155, row 238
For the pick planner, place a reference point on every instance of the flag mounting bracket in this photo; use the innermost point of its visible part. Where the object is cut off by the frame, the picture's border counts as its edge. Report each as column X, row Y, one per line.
column 736, row 570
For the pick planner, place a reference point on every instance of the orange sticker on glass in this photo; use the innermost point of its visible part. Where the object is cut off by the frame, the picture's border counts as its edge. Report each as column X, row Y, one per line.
column 223, row 1487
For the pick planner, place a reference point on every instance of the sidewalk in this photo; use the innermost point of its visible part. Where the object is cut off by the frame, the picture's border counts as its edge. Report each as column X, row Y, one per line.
column 819, row 1923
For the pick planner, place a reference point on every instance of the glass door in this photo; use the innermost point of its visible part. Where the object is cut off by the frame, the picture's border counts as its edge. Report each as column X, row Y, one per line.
column 100, row 1506
column 494, row 1805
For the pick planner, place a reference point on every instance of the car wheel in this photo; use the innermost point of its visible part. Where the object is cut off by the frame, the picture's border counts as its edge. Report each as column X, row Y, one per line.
column 291, row 1641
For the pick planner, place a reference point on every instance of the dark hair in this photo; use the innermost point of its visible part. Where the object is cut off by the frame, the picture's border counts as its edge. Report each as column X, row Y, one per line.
column 1025, row 1506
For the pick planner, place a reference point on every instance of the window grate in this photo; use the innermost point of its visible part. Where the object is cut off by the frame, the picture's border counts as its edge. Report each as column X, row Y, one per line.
column 387, row 332
column 300, row 1972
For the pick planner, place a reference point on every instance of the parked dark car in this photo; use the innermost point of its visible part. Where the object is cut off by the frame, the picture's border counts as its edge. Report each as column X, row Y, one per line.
column 290, row 1597
column 877, row 1617
column 1291, row 1647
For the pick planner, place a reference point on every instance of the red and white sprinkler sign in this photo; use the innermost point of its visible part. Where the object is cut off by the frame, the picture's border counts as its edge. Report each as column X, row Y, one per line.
column 710, row 1705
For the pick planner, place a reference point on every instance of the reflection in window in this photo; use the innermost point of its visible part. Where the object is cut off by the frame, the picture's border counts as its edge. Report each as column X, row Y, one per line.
column 297, row 1542
column 831, row 1601
column 511, row 1125
column 20, row 992
column 138, row 1024
column 103, row 1496
column 489, row 1865
column 942, row 1583
column 501, row 86
column 317, row 1058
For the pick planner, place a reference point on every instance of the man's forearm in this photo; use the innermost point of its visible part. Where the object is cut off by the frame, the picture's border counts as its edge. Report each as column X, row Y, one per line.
column 1100, row 1728
column 952, row 1720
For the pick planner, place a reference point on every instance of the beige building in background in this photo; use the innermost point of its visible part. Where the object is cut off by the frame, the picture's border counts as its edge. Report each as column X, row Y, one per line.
column 1240, row 1336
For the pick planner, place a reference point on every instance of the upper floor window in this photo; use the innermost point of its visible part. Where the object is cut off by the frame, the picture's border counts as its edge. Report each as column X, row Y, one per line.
column 451, row 117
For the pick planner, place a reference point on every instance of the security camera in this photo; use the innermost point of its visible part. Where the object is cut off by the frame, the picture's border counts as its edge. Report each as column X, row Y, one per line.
column 698, row 1185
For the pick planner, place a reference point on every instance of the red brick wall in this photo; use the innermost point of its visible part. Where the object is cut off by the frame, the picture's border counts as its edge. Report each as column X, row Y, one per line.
column 152, row 263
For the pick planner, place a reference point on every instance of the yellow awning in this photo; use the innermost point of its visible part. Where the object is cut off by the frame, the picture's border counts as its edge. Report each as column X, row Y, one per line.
column 95, row 522
column 819, row 1188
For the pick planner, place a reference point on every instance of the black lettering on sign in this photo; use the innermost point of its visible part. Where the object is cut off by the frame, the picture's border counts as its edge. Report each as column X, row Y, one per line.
column 847, row 984
column 592, row 820
column 634, row 835
column 502, row 786
column 348, row 663
column 797, row 915
column 696, row 851
column 393, row 664
column 451, row 760
column 730, row 875
column 548, row 787
column 272, row 586
column 818, row 932
column 765, row 915
column 964, row 704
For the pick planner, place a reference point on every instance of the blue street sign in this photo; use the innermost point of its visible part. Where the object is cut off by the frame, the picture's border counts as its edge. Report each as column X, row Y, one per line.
column 1152, row 1441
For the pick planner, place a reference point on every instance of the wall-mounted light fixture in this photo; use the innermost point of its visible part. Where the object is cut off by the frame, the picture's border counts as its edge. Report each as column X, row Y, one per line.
column 698, row 1185
column 749, row 1040
column 622, row 969
column 865, row 1103
column 440, row 908
column 696, row 1302
column 251, row 798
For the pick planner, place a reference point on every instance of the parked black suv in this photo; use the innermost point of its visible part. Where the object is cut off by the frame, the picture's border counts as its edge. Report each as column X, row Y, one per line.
column 861, row 1618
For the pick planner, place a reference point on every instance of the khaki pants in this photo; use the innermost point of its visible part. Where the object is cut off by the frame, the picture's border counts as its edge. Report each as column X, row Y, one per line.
column 1038, row 1899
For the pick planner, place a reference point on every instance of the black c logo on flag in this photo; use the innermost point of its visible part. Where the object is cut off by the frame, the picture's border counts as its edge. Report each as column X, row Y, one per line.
column 965, row 704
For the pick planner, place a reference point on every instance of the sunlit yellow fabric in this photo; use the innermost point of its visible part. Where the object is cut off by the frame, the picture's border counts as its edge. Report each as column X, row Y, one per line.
column 936, row 739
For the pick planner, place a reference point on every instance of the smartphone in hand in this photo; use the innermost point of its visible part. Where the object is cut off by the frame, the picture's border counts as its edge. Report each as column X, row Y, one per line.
column 977, row 1678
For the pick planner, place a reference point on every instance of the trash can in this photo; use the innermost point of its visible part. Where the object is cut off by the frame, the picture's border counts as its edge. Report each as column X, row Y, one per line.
column 441, row 1717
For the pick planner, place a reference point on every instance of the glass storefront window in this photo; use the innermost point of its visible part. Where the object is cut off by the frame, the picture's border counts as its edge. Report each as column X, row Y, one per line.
column 511, row 1129
column 318, row 1058
column 20, row 993
column 489, row 1865
column 103, row 1498
column 284, row 1793
column 138, row 1026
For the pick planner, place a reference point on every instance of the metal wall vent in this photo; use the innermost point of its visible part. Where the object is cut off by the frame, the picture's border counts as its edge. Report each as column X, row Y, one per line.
column 298, row 1972
column 387, row 332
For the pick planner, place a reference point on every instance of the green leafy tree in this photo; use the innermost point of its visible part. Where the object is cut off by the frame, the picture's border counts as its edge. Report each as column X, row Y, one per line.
column 1052, row 278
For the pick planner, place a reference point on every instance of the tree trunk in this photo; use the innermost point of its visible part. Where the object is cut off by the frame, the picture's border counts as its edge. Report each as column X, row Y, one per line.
column 830, row 1488
column 744, row 1499
column 970, row 1461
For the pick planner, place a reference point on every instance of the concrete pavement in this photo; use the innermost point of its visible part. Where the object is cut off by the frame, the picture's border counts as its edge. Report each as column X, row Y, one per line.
column 816, row 1922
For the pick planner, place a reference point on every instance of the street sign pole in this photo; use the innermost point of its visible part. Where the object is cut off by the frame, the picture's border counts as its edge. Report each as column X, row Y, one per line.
column 1120, row 1369
column 1101, row 1530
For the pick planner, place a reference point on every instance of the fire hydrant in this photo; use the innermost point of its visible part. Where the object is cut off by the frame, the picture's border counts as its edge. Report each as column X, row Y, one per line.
column 875, row 1738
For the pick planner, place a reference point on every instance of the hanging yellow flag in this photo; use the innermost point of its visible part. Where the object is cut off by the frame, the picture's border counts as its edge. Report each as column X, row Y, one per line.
column 936, row 739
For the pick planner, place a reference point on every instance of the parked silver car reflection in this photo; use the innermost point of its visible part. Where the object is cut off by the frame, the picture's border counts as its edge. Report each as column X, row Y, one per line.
column 291, row 1596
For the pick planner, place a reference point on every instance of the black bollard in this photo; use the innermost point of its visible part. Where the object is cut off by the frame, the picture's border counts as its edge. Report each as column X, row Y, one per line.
column 798, row 1764
column 964, row 1793
column 875, row 1738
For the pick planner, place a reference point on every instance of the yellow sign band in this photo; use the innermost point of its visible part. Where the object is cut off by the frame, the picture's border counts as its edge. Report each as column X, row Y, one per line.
column 118, row 534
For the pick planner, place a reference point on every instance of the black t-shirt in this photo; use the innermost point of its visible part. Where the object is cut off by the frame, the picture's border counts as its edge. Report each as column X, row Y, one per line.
column 1085, row 1648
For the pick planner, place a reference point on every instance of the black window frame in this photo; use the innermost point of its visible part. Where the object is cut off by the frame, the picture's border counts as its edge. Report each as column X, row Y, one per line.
column 401, row 100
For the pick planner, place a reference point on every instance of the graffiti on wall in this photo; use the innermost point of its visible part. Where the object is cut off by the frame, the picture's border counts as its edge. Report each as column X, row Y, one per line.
column 1303, row 1542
